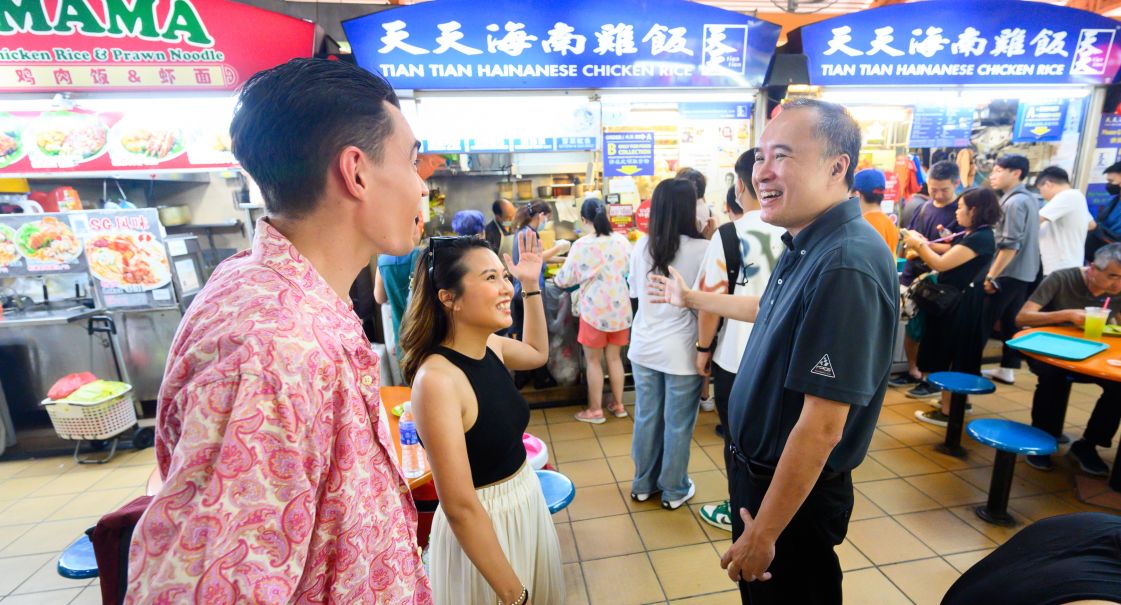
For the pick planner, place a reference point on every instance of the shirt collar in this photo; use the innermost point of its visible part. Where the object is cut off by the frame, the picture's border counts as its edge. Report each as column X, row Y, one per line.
column 1019, row 188
column 824, row 224
column 271, row 249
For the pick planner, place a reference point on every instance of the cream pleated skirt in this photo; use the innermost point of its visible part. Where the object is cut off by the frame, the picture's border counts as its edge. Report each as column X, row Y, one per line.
column 526, row 533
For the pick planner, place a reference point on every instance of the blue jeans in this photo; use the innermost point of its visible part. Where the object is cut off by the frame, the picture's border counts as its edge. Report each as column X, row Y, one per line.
column 665, row 412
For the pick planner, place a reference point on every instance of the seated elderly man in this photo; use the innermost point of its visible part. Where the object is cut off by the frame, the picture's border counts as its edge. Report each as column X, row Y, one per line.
column 1062, row 299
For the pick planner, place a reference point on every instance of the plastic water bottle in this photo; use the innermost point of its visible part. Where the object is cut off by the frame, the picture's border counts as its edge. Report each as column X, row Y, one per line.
column 412, row 454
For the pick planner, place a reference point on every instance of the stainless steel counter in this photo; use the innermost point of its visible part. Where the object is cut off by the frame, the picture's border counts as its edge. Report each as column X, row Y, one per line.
column 27, row 319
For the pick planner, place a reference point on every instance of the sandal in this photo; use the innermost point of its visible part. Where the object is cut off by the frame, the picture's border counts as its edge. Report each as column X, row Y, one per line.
column 617, row 409
column 590, row 417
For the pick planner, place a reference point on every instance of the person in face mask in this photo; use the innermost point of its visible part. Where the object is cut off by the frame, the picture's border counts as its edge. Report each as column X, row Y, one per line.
column 497, row 233
column 1108, row 230
column 533, row 216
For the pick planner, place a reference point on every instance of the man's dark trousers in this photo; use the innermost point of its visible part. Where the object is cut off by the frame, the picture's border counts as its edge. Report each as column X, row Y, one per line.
column 1003, row 307
column 805, row 569
column 721, row 390
column 1052, row 393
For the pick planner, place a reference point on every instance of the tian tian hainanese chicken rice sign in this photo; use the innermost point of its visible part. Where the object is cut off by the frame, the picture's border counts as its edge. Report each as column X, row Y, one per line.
column 50, row 45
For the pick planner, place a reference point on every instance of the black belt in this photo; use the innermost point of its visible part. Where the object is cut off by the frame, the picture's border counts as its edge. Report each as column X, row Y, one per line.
column 762, row 470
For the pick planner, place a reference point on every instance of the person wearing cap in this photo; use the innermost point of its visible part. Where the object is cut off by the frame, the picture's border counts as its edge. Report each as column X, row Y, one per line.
column 868, row 187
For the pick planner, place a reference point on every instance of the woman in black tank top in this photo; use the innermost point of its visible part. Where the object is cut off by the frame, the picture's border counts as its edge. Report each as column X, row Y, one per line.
column 493, row 539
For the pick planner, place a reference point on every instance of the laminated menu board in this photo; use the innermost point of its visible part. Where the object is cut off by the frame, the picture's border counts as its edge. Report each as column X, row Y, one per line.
column 81, row 141
column 37, row 244
column 126, row 256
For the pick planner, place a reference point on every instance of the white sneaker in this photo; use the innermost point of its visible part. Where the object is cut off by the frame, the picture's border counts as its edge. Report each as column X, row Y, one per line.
column 708, row 405
column 676, row 504
column 1005, row 375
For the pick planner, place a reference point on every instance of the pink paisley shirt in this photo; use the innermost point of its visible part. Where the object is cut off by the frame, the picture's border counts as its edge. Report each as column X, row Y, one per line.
column 281, row 484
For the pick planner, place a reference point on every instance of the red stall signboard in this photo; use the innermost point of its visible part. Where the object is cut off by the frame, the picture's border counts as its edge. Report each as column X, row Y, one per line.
column 82, row 45
column 642, row 216
column 621, row 217
column 82, row 141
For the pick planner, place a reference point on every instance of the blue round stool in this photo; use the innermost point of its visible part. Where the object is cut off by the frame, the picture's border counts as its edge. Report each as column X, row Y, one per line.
column 960, row 387
column 1009, row 439
column 77, row 561
column 559, row 490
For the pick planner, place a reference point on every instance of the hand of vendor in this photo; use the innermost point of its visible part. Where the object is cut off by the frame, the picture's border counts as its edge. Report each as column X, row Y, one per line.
column 528, row 268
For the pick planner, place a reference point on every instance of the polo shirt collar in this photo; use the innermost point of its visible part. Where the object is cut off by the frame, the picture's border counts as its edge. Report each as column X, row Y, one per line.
column 825, row 223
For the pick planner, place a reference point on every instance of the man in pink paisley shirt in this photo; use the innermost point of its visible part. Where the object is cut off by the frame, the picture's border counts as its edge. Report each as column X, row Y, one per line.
column 280, row 480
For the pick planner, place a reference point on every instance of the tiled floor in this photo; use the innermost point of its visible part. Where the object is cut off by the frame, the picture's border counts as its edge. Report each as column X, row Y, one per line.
column 912, row 532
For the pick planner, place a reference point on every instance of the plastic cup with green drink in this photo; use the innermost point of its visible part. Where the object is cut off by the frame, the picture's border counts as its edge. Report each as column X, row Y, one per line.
column 1095, row 321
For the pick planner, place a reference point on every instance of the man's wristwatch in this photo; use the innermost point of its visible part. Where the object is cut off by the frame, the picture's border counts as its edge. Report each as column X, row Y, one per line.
column 528, row 294
column 701, row 349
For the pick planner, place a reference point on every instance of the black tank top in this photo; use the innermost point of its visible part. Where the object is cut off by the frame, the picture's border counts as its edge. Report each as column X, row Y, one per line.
column 494, row 443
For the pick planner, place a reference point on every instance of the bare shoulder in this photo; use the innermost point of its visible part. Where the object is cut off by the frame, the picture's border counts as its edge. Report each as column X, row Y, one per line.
column 495, row 343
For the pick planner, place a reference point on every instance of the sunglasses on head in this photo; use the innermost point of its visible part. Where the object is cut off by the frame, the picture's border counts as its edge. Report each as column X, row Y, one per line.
column 434, row 244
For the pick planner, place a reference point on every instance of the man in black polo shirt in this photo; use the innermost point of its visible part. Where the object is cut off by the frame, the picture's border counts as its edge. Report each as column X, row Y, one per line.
column 813, row 376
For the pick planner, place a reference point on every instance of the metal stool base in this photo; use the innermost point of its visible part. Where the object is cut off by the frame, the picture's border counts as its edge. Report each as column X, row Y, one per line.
column 996, row 518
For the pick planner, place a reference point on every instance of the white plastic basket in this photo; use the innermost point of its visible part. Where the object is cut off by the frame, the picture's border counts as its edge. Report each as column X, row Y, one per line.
column 92, row 421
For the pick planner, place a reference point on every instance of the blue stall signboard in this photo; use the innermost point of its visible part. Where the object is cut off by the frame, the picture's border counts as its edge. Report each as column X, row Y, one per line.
column 937, row 126
column 628, row 154
column 542, row 44
column 1105, row 155
column 964, row 42
column 715, row 111
column 1038, row 121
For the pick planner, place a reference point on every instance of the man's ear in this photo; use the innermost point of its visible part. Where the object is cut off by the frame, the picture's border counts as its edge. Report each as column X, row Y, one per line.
column 350, row 165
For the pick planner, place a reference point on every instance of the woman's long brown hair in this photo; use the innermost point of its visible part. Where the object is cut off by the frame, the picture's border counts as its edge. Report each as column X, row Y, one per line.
column 426, row 323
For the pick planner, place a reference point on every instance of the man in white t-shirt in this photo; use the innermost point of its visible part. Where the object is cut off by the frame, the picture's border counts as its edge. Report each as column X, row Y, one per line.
column 758, row 246
column 1064, row 221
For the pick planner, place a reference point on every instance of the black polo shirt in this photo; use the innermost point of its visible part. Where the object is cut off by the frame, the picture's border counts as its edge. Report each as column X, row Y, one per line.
column 826, row 327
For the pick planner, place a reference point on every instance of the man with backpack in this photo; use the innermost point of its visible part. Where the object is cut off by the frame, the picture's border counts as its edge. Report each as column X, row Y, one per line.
column 739, row 259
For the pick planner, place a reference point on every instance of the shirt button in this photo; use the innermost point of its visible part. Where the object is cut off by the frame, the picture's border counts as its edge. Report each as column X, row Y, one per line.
column 367, row 380
column 404, row 489
column 803, row 252
column 780, row 281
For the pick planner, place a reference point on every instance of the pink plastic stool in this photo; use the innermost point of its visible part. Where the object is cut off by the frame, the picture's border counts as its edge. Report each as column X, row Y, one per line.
column 536, row 451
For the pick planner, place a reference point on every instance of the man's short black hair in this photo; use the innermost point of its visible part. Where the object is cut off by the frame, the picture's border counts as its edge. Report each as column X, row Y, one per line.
column 1015, row 162
column 1114, row 168
column 944, row 171
column 745, row 165
column 1052, row 174
column 496, row 208
column 696, row 177
column 292, row 121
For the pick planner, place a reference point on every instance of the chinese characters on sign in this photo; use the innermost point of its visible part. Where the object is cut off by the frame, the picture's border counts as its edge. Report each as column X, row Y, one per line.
column 613, row 38
column 509, row 44
column 73, row 45
column 1007, row 42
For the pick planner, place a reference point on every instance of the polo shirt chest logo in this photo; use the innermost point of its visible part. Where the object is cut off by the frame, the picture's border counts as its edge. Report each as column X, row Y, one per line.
column 824, row 368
